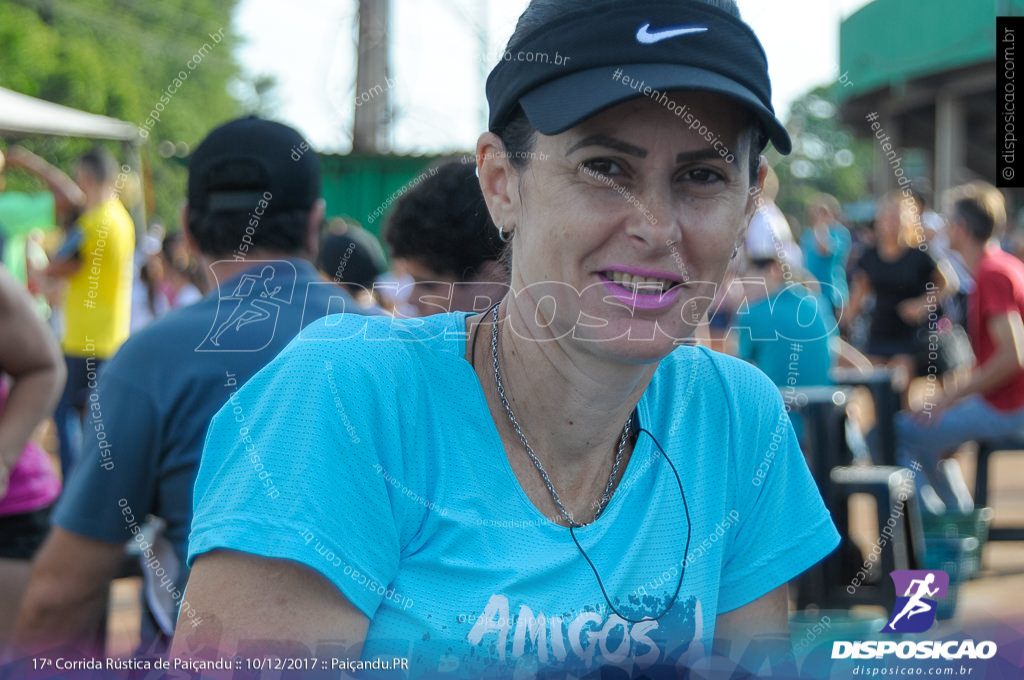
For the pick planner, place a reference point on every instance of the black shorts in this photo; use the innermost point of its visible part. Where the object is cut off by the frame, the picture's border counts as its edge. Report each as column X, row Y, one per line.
column 21, row 535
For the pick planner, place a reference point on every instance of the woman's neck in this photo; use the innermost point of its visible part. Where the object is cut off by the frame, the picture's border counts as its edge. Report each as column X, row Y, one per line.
column 571, row 404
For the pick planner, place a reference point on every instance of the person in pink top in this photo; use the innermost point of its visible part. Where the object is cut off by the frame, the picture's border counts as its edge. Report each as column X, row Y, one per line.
column 31, row 380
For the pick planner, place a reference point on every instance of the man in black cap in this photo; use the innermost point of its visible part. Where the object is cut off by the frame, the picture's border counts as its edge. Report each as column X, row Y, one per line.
column 253, row 214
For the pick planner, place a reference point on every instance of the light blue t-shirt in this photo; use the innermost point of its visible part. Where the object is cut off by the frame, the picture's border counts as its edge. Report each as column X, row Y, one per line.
column 369, row 454
column 789, row 335
column 829, row 268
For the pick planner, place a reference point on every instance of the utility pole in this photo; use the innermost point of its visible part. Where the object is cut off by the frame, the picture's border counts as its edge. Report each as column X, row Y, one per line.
column 485, row 63
column 372, row 119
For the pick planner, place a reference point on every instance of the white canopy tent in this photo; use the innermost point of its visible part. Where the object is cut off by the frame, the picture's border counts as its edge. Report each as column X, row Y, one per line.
column 24, row 115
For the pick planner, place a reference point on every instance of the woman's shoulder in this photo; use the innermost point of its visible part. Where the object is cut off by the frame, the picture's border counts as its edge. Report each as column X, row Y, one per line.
column 379, row 341
column 694, row 372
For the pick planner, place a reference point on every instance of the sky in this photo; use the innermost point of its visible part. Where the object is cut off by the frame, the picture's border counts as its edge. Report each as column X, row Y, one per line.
column 439, row 63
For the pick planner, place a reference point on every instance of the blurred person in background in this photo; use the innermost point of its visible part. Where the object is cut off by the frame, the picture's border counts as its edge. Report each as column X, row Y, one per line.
column 906, row 284
column 786, row 330
column 185, row 278
column 989, row 402
column 1015, row 244
column 97, row 261
column 156, row 396
column 29, row 484
column 21, row 212
column 149, row 292
column 826, row 249
column 441, row 235
column 936, row 234
column 353, row 258
column 768, row 237
column 769, row 234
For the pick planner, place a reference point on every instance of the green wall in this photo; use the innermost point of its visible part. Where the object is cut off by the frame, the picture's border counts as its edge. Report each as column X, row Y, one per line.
column 361, row 187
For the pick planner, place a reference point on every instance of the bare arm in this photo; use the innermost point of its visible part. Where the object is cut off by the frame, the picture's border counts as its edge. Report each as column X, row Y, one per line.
column 822, row 241
column 67, row 595
column 765, row 620
column 240, row 598
column 67, row 196
column 952, row 281
column 916, row 310
column 29, row 354
column 850, row 356
column 767, row 615
column 62, row 268
column 858, row 291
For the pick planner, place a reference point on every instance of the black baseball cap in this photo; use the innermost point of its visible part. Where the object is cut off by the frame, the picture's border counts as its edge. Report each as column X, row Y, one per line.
column 587, row 61
column 241, row 163
column 353, row 256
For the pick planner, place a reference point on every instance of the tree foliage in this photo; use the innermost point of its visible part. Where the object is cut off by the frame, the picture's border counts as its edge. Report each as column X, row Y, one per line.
column 117, row 58
column 826, row 156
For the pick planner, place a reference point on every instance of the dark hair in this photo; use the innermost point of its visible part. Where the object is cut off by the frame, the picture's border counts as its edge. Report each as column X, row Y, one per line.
column 100, row 164
column 443, row 222
column 981, row 207
column 519, row 135
column 350, row 254
column 221, row 233
column 762, row 262
column 921, row 196
column 980, row 222
column 180, row 260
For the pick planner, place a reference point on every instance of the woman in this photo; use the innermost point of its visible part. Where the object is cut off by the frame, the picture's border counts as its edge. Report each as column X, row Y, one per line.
column 553, row 483
column 28, row 481
column 826, row 247
column 907, row 285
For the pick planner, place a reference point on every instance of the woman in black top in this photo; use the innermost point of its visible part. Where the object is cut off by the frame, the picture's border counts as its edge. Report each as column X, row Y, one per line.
column 907, row 284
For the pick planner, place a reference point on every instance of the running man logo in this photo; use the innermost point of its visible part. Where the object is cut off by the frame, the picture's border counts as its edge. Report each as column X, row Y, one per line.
column 249, row 306
column 915, row 610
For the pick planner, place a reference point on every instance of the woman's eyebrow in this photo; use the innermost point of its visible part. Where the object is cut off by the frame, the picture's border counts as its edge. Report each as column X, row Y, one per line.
column 608, row 142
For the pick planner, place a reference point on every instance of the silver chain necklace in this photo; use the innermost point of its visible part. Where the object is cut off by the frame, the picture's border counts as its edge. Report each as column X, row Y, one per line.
column 529, row 449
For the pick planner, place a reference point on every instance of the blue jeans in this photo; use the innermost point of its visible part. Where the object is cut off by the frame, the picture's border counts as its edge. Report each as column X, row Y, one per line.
column 67, row 416
column 941, row 488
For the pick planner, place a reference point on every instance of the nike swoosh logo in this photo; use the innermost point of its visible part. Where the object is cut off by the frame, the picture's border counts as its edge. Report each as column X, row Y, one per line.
column 644, row 35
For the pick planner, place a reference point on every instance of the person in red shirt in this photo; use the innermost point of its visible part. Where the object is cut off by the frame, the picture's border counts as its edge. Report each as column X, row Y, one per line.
column 989, row 402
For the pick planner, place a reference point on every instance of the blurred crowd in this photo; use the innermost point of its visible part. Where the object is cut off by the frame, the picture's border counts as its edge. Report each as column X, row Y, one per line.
column 128, row 339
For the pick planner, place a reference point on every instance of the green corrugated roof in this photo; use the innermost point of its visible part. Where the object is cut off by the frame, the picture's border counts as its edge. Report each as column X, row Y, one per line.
column 891, row 41
column 365, row 187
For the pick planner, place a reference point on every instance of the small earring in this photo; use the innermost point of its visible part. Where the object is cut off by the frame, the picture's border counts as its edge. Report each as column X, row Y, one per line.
column 735, row 250
column 506, row 236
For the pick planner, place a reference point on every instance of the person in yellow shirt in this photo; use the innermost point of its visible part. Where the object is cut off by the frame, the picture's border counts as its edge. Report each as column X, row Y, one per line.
column 97, row 261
